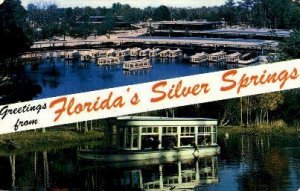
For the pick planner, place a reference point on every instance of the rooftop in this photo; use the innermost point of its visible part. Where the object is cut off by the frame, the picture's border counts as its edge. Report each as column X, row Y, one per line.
column 156, row 118
column 188, row 22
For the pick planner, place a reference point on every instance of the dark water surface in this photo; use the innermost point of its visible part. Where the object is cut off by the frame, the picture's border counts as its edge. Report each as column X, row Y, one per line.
column 245, row 163
column 59, row 77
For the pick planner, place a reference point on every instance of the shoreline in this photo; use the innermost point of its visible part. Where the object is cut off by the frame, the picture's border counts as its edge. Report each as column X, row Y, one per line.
column 30, row 141
column 260, row 131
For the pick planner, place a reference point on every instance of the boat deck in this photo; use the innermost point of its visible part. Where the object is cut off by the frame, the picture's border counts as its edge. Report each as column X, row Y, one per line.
column 118, row 155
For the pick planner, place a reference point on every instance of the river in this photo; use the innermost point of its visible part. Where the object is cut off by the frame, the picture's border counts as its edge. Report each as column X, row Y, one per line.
column 245, row 163
column 58, row 77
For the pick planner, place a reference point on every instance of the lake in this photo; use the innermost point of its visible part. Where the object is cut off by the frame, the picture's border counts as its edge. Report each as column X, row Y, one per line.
column 59, row 77
column 245, row 163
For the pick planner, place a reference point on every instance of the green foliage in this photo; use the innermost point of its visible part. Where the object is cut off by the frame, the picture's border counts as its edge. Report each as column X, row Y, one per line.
column 12, row 23
column 38, row 141
column 162, row 13
column 290, row 48
column 228, row 12
column 255, row 13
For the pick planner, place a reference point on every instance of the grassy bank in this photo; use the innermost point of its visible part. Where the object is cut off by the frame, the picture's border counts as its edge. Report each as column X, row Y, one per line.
column 51, row 139
column 262, row 130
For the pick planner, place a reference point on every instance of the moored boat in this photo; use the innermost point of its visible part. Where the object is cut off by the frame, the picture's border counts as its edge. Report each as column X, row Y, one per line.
column 145, row 52
column 154, row 52
column 217, row 56
column 234, row 57
column 108, row 61
column 134, row 52
column 199, row 58
column 249, row 61
column 137, row 64
column 71, row 55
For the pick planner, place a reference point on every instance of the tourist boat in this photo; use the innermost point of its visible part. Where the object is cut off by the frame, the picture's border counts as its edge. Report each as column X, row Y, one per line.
column 154, row 52
column 108, row 61
column 85, row 56
column 94, row 54
column 111, row 53
column 164, row 53
column 144, row 53
column 134, row 52
column 49, row 55
column 168, row 139
column 71, row 55
column 263, row 60
column 233, row 58
column 199, row 58
column 175, row 53
column 31, row 56
column 101, row 53
column 249, row 61
column 123, row 53
column 170, row 53
column 217, row 56
column 137, row 64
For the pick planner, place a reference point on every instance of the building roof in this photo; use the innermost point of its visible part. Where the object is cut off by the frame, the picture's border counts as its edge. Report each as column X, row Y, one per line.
column 188, row 22
column 157, row 118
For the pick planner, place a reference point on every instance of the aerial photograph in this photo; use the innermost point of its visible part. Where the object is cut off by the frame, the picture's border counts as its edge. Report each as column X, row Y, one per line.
column 52, row 48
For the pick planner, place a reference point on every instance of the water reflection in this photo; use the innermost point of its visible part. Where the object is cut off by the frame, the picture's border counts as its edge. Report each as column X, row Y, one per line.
column 148, row 175
column 246, row 163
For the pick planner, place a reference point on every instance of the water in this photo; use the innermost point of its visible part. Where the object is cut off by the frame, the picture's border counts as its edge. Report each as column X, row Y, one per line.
column 245, row 163
column 59, row 77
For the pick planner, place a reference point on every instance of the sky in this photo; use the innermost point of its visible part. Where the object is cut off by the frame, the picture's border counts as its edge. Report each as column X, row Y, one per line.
column 132, row 3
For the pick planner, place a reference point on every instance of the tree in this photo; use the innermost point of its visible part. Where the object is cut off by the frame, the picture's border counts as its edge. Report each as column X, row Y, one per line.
column 229, row 12
column 162, row 13
column 12, row 37
column 290, row 47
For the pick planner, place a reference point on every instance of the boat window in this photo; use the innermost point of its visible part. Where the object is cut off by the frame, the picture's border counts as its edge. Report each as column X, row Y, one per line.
column 187, row 131
column 187, row 141
column 127, row 140
column 200, row 129
column 135, row 141
column 169, row 130
column 174, row 130
column 192, row 129
column 204, row 140
column 214, row 128
column 149, row 130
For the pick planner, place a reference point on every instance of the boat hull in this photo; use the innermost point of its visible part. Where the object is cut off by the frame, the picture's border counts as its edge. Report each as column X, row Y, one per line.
column 162, row 155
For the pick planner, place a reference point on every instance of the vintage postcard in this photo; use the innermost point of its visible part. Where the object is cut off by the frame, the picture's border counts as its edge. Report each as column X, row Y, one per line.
column 149, row 95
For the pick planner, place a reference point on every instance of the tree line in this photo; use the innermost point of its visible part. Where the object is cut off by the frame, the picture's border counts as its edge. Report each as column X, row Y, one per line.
column 51, row 20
